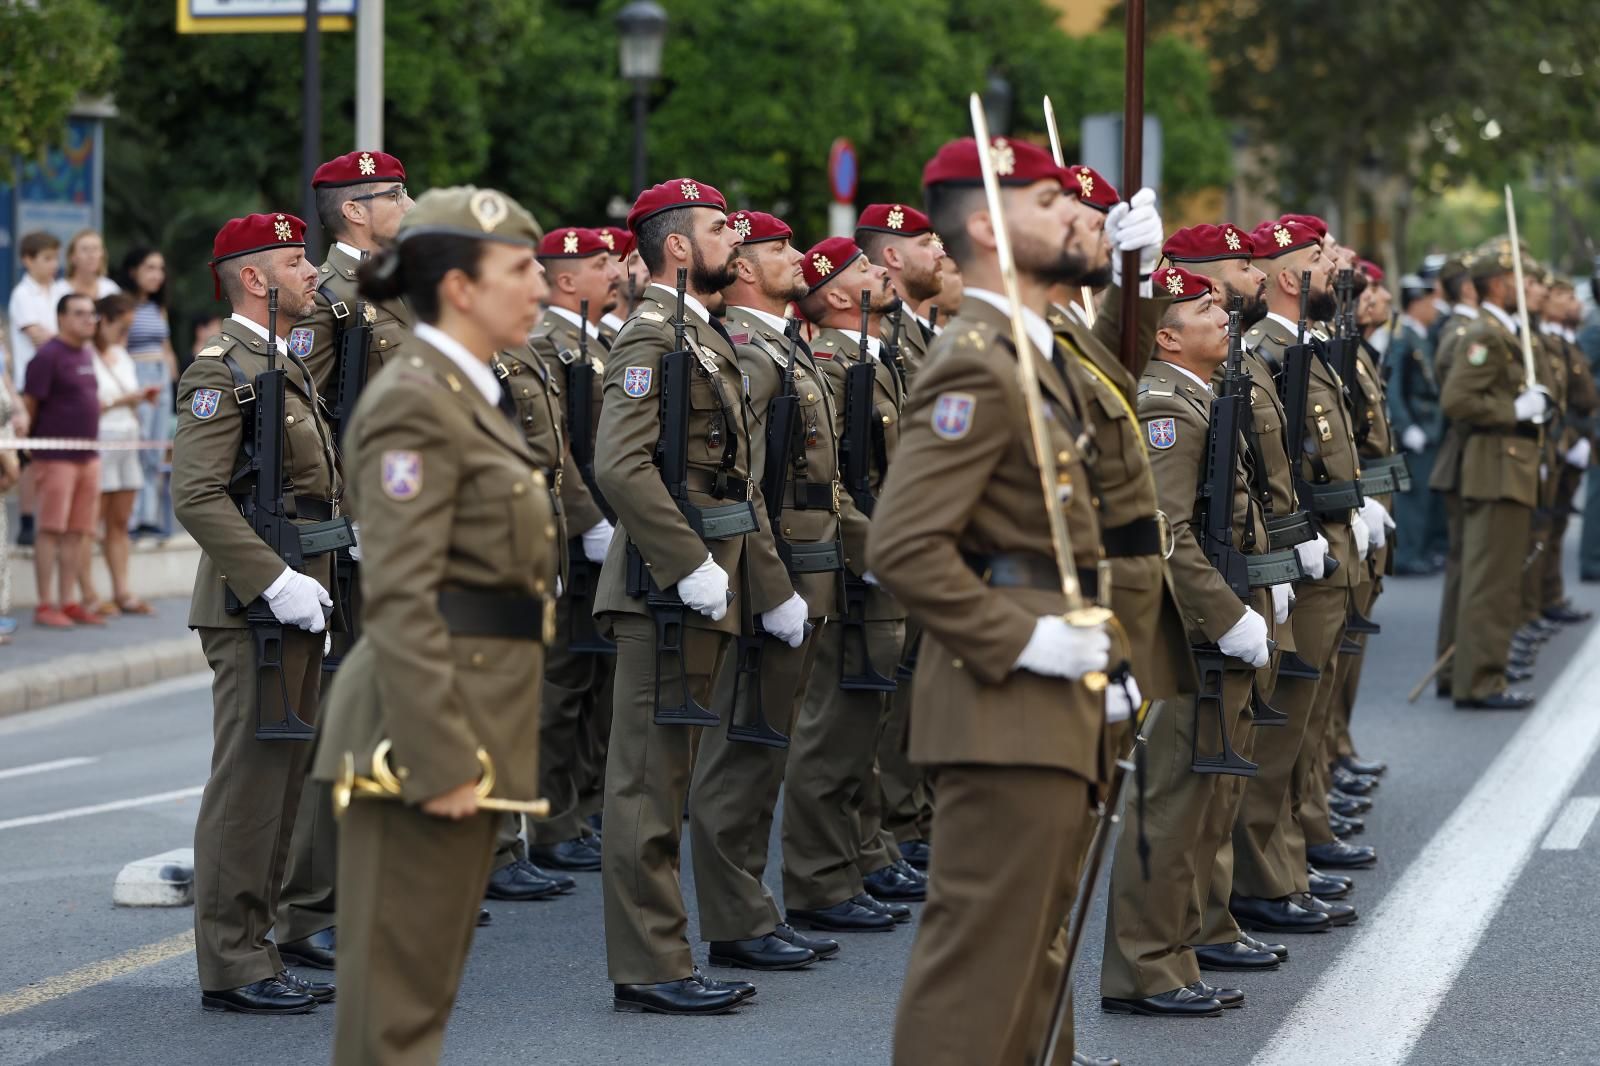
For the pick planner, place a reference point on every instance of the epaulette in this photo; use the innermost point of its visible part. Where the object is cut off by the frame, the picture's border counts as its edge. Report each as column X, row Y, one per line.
column 818, row 351
column 211, row 351
column 1147, row 388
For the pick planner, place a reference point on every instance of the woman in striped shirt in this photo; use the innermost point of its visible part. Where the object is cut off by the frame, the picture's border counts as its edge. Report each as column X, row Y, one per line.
column 150, row 344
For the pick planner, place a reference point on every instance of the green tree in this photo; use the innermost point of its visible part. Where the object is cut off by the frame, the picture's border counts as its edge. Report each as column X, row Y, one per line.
column 50, row 54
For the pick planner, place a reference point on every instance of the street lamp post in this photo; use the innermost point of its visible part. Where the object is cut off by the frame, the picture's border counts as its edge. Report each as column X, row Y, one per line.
column 997, row 99
column 641, row 32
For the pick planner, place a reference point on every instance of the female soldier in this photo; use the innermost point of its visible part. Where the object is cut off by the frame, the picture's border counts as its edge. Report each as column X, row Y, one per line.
column 459, row 546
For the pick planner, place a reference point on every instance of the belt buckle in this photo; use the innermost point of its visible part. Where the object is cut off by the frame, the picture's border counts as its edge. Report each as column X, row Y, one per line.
column 838, row 493
column 243, row 394
column 340, row 309
column 557, row 482
column 1164, row 529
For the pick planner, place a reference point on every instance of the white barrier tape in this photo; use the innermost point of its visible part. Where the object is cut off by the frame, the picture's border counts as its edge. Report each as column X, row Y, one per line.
column 78, row 444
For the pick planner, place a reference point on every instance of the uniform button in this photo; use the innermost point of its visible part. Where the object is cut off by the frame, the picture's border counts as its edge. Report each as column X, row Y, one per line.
column 518, row 489
column 1063, row 457
column 383, row 342
column 477, row 658
column 957, row 663
column 538, row 586
column 288, row 420
column 550, row 532
column 538, row 477
column 811, row 397
column 886, row 420
column 788, row 532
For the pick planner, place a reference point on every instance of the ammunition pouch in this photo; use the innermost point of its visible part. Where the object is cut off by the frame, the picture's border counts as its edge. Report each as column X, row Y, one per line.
column 1275, row 568
column 821, row 558
column 1385, row 475
column 1336, row 498
column 1285, row 531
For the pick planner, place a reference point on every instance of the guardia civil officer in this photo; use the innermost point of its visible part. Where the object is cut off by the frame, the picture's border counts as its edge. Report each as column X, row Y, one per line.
column 461, row 547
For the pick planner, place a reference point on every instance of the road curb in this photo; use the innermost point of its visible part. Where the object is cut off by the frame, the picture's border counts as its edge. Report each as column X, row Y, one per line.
column 74, row 677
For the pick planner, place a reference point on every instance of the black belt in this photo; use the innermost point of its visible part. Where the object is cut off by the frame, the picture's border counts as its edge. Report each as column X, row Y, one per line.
column 320, row 531
column 475, row 612
column 810, row 496
column 707, row 481
column 1024, row 570
column 1285, row 531
column 1142, row 536
column 1521, row 429
column 821, row 558
column 312, row 508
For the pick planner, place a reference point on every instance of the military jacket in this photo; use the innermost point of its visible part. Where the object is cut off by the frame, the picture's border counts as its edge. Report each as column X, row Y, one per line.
column 536, row 398
column 449, row 496
column 556, row 341
column 1582, row 397
column 914, row 341
column 390, row 320
column 210, row 445
column 1499, row 456
column 1378, row 440
column 630, row 428
column 1446, row 476
column 966, row 483
column 1413, row 395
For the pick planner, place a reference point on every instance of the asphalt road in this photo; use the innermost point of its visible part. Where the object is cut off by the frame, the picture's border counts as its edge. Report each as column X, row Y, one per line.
column 1476, row 943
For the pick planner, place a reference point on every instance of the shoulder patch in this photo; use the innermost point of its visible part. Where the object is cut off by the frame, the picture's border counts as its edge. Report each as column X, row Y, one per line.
column 952, row 414
column 301, row 339
column 636, row 380
column 211, row 351
column 402, row 475
column 1162, row 432
column 1477, row 355
column 205, row 402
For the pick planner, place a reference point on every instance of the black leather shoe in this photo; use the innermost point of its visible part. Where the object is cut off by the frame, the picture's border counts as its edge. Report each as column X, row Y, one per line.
column 1080, row 1059
column 315, row 951
column 1235, row 956
column 1345, row 827
column 1344, row 879
column 1442, row 692
column 687, row 996
column 742, row 989
column 1342, row 856
column 917, row 853
column 898, row 911
column 562, row 882
column 1280, row 950
column 568, row 855
column 1353, row 784
column 1338, row 913
column 321, row 991
column 1325, row 887
column 1565, row 614
column 1521, row 661
column 1179, row 1003
column 823, row 947
column 1276, row 915
column 269, row 996
column 519, row 882
column 919, row 876
column 846, row 917
column 1230, row 998
column 596, row 822
column 1509, row 700
column 484, row 917
column 769, row 952
column 1356, row 765
column 1514, row 674
column 1346, row 805
column 892, row 884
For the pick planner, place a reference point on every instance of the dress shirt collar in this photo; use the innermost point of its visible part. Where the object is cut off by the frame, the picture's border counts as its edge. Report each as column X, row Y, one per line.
column 1038, row 329
column 259, row 330
column 572, row 318
column 476, row 370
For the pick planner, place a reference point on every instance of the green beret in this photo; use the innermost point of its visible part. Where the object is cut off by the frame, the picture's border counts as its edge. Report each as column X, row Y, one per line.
column 468, row 211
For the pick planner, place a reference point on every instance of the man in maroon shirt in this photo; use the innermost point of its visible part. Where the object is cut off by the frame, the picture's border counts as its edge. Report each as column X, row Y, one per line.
column 63, row 400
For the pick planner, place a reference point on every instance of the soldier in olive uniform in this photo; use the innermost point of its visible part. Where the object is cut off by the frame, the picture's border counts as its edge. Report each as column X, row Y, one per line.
column 1413, row 406
column 462, row 547
column 249, row 806
column 1562, row 314
column 737, row 778
column 681, row 564
column 361, row 197
column 1149, row 967
column 1012, row 737
column 842, row 873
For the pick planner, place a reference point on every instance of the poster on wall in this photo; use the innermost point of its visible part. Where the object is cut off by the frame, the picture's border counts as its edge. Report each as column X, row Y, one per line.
column 59, row 195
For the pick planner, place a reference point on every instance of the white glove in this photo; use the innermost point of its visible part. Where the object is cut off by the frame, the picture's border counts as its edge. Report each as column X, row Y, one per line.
column 1378, row 522
column 1282, row 600
column 1578, row 454
column 1057, row 649
column 596, row 540
column 1135, row 226
column 1530, row 404
column 870, row 578
column 355, row 549
column 705, row 589
column 787, row 621
column 1363, row 535
column 1247, row 639
column 297, row 600
column 1313, row 556
column 1122, row 699
column 1414, row 438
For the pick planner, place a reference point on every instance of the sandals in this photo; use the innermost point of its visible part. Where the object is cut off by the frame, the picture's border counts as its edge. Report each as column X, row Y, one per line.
column 133, row 605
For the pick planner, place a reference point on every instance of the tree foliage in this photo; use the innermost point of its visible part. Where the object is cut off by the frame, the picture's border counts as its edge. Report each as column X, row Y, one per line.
column 50, row 54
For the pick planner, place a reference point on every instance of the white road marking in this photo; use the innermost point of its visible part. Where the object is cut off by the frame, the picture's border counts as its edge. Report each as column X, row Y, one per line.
column 1573, row 824
column 24, row 1044
column 46, row 767
column 1375, row 1001
column 102, row 808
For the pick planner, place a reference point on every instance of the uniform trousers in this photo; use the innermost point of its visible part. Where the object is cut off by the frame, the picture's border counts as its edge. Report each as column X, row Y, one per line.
column 735, row 795
column 1415, row 514
column 576, row 690
column 247, row 812
column 1339, row 742
column 412, row 885
column 907, row 801
column 648, row 771
column 971, row 995
column 1308, row 797
column 1450, row 601
column 1495, row 536
column 1552, row 585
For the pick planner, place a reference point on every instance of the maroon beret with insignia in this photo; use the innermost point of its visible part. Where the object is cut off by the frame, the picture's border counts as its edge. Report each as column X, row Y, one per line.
column 1371, row 269
column 1310, row 222
column 1088, row 185
column 1179, row 284
column 1015, row 163
column 254, row 233
column 679, row 192
column 358, row 168
column 898, row 219
column 1272, row 239
column 572, row 242
column 758, row 226
column 826, row 260
column 1207, row 244
column 618, row 241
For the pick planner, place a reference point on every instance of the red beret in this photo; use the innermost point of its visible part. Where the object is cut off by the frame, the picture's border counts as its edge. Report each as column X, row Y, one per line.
column 1180, row 285
column 1091, row 187
column 1207, row 244
column 758, row 226
column 358, row 168
column 618, row 241
column 1272, row 239
column 826, row 260
column 898, row 219
column 1372, row 270
column 572, row 242
column 679, row 192
column 1015, row 163
column 254, row 233
column 1310, row 222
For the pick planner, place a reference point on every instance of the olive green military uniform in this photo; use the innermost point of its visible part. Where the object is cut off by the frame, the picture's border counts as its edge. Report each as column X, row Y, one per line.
column 1446, row 480
column 835, row 838
column 1582, row 402
column 648, row 766
column 577, row 684
column 307, row 904
column 1552, row 375
column 736, row 784
column 249, row 806
column 536, row 399
column 456, row 519
column 961, row 536
column 1499, row 481
column 1149, row 922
